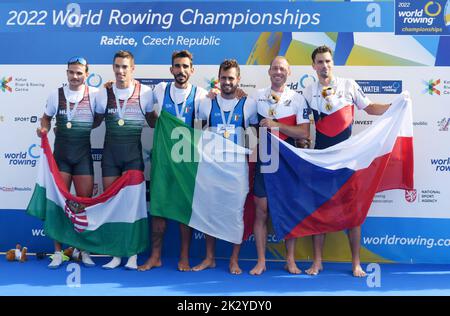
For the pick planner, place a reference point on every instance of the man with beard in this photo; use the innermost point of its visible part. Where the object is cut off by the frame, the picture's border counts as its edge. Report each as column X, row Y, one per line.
column 228, row 115
column 74, row 107
column 181, row 99
column 332, row 100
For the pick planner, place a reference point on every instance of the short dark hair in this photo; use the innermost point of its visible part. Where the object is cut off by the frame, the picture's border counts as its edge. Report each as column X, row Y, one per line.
column 228, row 64
column 182, row 54
column 124, row 54
column 320, row 50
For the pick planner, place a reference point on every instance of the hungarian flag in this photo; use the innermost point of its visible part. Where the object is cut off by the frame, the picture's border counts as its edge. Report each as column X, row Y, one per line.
column 198, row 178
column 114, row 223
column 319, row 191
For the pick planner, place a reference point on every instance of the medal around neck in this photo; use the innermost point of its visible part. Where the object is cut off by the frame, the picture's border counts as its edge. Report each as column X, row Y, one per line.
column 327, row 93
column 69, row 125
column 226, row 134
column 121, row 122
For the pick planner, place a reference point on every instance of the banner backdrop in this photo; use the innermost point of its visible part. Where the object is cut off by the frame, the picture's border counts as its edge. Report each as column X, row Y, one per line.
column 37, row 39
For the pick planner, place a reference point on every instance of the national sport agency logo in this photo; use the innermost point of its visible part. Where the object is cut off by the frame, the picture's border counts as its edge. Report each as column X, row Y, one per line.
column 411, row 195
column 432, row 87
column 5, row 84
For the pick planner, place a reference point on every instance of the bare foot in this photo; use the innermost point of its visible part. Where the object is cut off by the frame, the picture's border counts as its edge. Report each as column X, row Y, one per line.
column 234, row 267
column 358, row 271
column 206, row 264
column 258, row 269
column 149, row 264
column 183, row 265
column 292, row 268
column 314, row 269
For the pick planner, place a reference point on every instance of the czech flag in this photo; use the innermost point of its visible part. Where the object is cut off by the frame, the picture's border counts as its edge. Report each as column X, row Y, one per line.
column 317, row 191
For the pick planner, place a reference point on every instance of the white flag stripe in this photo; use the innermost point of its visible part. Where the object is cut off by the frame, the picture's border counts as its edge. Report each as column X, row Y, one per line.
column 127, row 206
column 359, row 151
column 219, row 196
column 118, row 208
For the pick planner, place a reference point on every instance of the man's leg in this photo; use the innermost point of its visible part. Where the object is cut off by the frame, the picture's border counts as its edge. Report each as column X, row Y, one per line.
column 158, row 229
column 354, row 237
column 84, row 186
column 260, row 232
column 186, row 235
column 234, row 260
column 107, row 182
column 210, row 261
column 57, row 256
column 291, row 266
column 316, row 267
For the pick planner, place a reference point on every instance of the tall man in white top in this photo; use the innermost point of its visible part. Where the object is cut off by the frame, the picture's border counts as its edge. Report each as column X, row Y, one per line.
column 332, row 100
column 286, row 110
column 127, row 104
column 228, row 116
column 181, row 99
column 73, row 106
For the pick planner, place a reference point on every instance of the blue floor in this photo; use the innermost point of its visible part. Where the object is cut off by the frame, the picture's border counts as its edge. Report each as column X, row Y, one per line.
column 34, row 278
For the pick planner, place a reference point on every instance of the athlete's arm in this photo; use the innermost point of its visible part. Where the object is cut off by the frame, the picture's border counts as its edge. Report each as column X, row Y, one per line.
column 296, row 131
column 376, row 108
column 45, row 125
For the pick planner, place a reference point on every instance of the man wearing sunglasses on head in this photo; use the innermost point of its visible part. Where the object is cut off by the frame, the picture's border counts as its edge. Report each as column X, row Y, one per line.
column 73, row 106
column 126, row 105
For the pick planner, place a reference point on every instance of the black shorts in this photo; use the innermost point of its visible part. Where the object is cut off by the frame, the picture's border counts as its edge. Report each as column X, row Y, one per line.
column 73, row 157
column 120, row 157
column 259, row 187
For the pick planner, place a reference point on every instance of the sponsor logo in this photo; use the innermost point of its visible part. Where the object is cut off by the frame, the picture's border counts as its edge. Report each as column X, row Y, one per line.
column 441, row 165
column 380, row 86
column 14, row 189
column 20, row 84
column 24, row 158
column 422, row 196
column 443, row 124
column 212, row 83
column 410, row 195
column 363, row 122
column 97, row 154
column 420, row 123
column 421, row 17
column 152, row 82
column 94, row 80
column 31, row 119
column 247, row 85
column 306, row 80
column 432, row 87
column 5, row 84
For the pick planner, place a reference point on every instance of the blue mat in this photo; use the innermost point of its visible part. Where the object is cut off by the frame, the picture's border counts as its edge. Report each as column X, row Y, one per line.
column 34, row 278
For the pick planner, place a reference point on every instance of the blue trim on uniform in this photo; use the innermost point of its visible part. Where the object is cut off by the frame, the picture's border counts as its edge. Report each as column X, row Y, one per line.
column 323, row 141
column 169, row 105
column 214, row 120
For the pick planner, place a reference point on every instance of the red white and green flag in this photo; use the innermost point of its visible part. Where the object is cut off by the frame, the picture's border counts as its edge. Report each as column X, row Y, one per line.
column 198, row 178
column 114, row 223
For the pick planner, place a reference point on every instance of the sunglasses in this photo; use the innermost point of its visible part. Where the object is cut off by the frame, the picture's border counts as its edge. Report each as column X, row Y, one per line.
column 77, row 60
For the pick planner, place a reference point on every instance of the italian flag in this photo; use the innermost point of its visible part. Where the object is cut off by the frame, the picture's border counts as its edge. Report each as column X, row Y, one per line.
column 114, row 223
column 198, row 178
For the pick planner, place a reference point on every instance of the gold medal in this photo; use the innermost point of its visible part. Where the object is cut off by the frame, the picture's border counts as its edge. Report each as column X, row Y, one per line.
column 121, row 122
column 328, row 107
column 226, row 134
column 272, row 112
column 69, row 125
